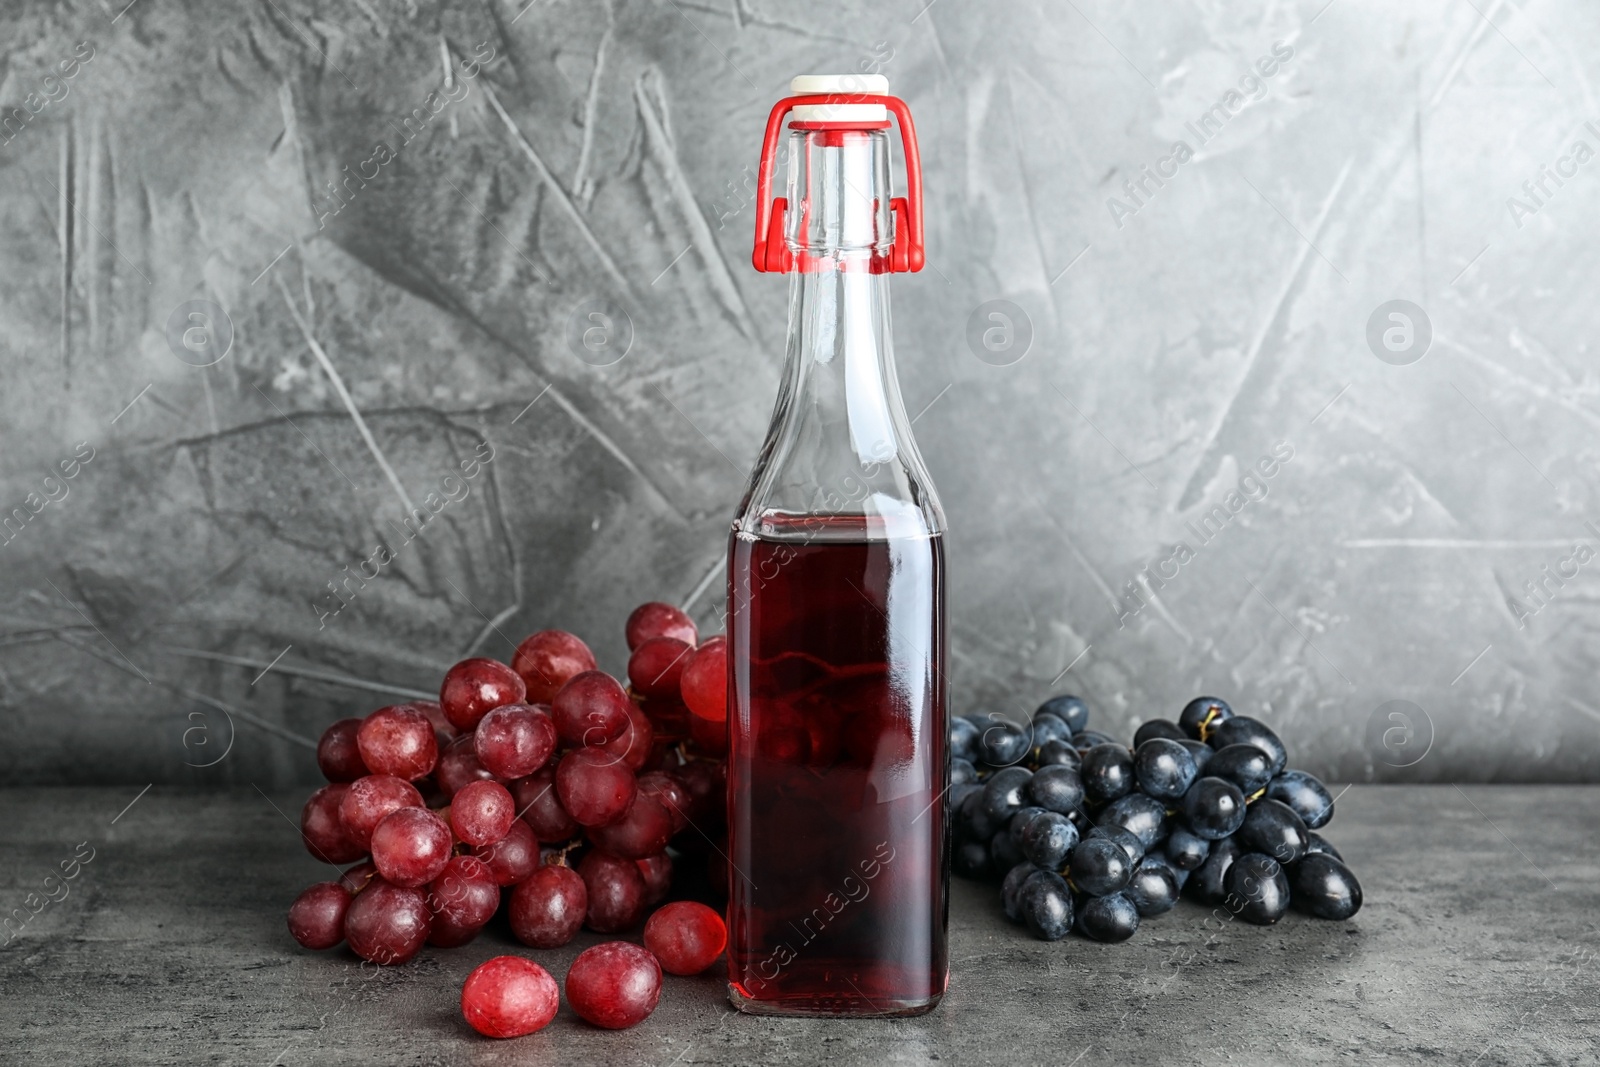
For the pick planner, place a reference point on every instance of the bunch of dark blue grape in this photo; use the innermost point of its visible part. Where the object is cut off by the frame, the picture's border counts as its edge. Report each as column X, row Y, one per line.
column 1088, row 833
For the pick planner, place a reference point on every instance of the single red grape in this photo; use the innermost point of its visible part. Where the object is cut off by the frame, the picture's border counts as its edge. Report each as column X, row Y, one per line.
column 548, row 909
column 615, row 985
column 459, row 766
column 707, row 785
column 463, row 899
column 670, row 793
column 656, row 667
column 656, row 619
column 475, row 687
column 643, row 831
column 547, row 659
column 369, row 800
column 512, row 858
column 482, row 813
column 541, row 809
column 387, row 923
column 591, row 709
column 686, row 937
column 356, row 878
column 657, row 872
column 705, row 681
column 515, row 740
column 509, row 996
column 411, row 846
column 338, row 757
column 316, row 918
column 634, row 744
column 594, row 787
column 322, row 831
column 616, row 892
column 398, row 740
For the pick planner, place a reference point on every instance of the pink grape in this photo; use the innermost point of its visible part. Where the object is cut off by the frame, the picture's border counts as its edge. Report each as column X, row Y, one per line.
column 482, row 813
column 515, row 740
column 411, row 846
column 475, row 687
column 509, row 996
column 316, row 918
column 615, row 985
column 547, row 659
column 387, row 924
column 398, row 740
column 593, row 787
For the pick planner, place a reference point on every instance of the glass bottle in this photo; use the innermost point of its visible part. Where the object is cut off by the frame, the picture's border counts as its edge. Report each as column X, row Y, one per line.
column 837, row 759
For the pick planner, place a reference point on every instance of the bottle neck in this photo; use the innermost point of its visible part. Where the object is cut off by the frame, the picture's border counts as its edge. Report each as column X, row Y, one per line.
column 839, row 217
column 840, row 444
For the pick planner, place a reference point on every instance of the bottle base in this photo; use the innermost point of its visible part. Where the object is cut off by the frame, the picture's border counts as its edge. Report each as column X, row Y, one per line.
column 825, row 1006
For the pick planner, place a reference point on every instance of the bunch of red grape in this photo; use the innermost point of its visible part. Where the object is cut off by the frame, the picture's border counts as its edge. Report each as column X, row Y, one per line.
column 545, row 786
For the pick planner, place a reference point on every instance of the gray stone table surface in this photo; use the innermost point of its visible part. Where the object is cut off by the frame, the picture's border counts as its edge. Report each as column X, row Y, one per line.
column 1476, row 945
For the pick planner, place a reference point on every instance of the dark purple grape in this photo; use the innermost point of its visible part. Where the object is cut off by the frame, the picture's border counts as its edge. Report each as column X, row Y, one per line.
column 957, row 797
column 1052, row 753
column 1154, row 888
column 1012, row 886
column 1002, row 743
column 1006, row 792
column 1207, row 881
column 964, row 736
column 1257, row 889
column 1069, row 709
column 1306, row 794
column 1107, row 772
column 1163, row 768
column 1158, row 728
column 1019, row 823
column 1057, row 788
column 1316, row 843
column 973, row 822
column 1243, row 730
column 1325, row 887
column 1271, row 827
column 962, row 772
column 1126, row 839
column 1201, row 753
column 1100, row 866
column 1143, row 816
column 1246, row 766
column 1201, row 715
column 1110, row 918
column 1003, row 852
column 1185, row 851
column 1045, row 904
column 971, row 859
column 1049, row 727
column 1048, row 839
column 1084, row 740
column 1159, row 859
column 1212, row 808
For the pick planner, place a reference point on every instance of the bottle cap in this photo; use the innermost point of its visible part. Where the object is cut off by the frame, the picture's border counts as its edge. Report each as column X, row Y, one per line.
column 863, row 85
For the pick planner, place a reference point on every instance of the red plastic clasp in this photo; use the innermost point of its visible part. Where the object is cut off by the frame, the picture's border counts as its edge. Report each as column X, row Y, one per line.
column 906, row 254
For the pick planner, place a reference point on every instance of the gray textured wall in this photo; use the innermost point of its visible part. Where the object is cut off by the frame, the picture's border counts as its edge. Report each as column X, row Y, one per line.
column 1179, row 338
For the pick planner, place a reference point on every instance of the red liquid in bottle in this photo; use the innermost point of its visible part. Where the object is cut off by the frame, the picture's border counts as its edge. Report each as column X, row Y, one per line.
column 837, row 765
